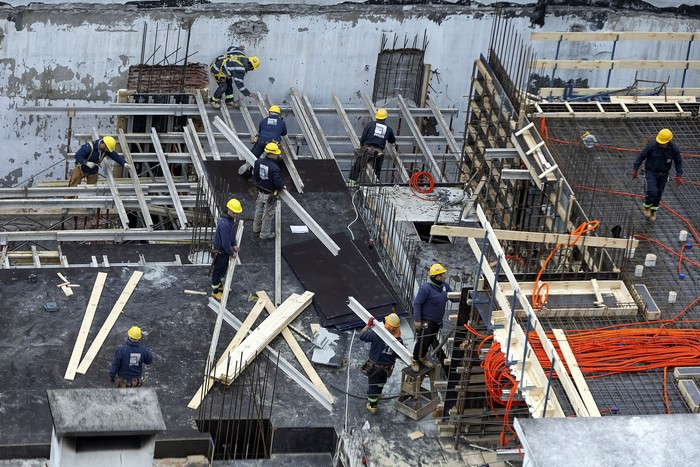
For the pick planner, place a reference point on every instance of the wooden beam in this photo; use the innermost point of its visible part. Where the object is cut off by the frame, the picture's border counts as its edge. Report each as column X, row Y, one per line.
column 535, row 237
column 305, row 125
column 117, row 199
column 445, row 129
column 427, row 153
column 354, row 140
column 207, row 125
column 617, row 64
column 297, row 350
column 109, row 322
column 613, row 36
column 169, row 180
column 147, row 220
column 245, row 353
column 389, row 149
column 85, row 326
column 235, row 342
column 576, row 373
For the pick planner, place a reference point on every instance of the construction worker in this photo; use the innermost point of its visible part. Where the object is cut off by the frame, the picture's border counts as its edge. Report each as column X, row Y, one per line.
column 659, row 155
column 127, row 367
column 267, row 176
column 372, row 143
column 428, row 312
column 230, row 68
column 381, row 358
column 89, row 157
column 271, row 129
column 225, row 246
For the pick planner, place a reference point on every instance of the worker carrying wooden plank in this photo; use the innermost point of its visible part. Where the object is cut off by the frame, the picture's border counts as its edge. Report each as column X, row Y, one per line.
column 225, row 246
column 380, row 365
column 89, row 157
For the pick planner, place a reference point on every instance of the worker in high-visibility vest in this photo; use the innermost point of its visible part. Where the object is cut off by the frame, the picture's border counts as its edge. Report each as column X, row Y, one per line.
column 228, row 68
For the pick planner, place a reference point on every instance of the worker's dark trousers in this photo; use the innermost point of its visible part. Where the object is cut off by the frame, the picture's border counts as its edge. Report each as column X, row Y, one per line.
column 224, row 86
column 369, row 155
column 220, row 267
column 425, row 337
column 656, row 183
column 376, row 386
column 259, row 147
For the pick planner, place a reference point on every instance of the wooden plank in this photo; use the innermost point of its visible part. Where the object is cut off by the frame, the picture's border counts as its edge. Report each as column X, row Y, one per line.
column 534, row 237
column 445, row 130
column 613, row 36
column 576, row 373
column 68, row 292
column 116, row 198
column 197, row 156
column 172, row 189
column 147, row 220
column 109, row 322
column 305, row 126
column 207, row 126
column 617, row 64
column 263, row 335
column 235, row 342
column 85, row 326
column 403, row 174
column 371, row 176
column 4, row 263
column 227, row 117
column 427, row 153
column 297, row 351
column 316, row 127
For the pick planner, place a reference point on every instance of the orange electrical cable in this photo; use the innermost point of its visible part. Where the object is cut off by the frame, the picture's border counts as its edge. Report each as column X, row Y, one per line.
column 539, row 300
column 414, row 184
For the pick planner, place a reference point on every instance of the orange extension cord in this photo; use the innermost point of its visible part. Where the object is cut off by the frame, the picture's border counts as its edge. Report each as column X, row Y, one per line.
column 414, row 184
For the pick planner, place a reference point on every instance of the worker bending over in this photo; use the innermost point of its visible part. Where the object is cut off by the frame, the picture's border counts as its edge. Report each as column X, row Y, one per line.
column 89, row 157
column 271, row 129
column 372, row 143
column 228, row 68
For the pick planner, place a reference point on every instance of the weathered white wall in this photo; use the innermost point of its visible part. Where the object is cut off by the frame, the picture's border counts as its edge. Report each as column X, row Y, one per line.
column 77, row 54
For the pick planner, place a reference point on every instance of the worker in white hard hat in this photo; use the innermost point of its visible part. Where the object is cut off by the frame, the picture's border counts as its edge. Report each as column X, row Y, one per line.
column 224, row 246
column 374, row 137
column 127, row 367
column 89, row 157
column 659, row 155
column 428, row 313
column 382, row 358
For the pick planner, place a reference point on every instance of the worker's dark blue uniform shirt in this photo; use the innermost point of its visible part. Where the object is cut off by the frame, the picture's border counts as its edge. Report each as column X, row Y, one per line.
column 90, row 152
column 267, row 175
column 659, row 159
column 377, row 133
column 129, row 360
column 233, row 64
column 225, row 236
column 379, row 352
column 272, row 128
column 430, row 301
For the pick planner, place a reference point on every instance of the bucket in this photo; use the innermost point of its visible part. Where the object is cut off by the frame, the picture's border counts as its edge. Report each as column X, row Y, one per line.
column 672, row 296
column 638, row 270
column 650, row 260
column 683, row 236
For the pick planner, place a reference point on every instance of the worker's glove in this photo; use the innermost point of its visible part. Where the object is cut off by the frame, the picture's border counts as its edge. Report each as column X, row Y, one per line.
column 370, row 321
column 634, row 173
column 419, row 325
column 253, row 139
column 679, row 180
column 127, row 166
column 91, row 165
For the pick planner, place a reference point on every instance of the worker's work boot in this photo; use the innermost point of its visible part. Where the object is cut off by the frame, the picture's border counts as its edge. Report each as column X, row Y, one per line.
column 414, row 366
column 215, row 103
column 217, row 294
column 652, row 216
column 372, row 408
column 427, row 363
column 647, row 212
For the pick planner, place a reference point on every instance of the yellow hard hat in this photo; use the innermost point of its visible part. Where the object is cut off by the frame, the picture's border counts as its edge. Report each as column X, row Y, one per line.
column 437, row 269
column 272, row 148
column 254, row 62
column 134, row 333
column 234, row 205
column 110, row 143
column 274, row 109
column 381, row 114
column 392, row 320
column 664, row 136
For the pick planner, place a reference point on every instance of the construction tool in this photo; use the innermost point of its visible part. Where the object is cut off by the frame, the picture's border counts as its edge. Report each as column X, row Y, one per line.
column 51, row 307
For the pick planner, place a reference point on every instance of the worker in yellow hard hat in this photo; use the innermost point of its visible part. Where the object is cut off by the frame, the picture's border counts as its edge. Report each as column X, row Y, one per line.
column 269, row 180
column 89, row 157
column 224, row 246
column 271, row 129
column 372, row 143
column 127, row 367
column 229, row 68
column 428, row 314
column 659, row 155
column 382, row 358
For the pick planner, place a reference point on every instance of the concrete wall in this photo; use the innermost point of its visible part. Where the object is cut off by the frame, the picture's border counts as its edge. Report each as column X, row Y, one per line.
column 76, row 54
